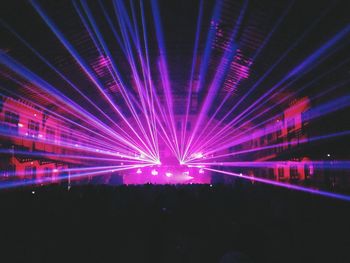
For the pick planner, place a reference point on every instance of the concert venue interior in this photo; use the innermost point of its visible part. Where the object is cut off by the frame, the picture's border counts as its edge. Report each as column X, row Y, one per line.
column 175, row 131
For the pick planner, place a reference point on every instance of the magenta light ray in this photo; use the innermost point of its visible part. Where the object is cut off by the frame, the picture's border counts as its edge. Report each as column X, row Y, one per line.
column 235, row 121
column 309, row 140
column 115, row 71
column 260, row 105
column 162, row 64
column 166, row 85
column 287, row 97
column 257, row 53
column 151, row 88
column 281, row 58
column 164, row 118
column 224, row 64
column 162, row 131
column 208, row 44
column 225, row 61
column 24, row 114
column 143, row 95
column 60, row 117
column 84, row 140
column 30, row 76
column 274, row 164
column 82, row 169
column 152, row 130
column 135, row 75
column 9, row 184
column 56, row 70
column 83, row 65
column 123, row 158
column 128, row 24
column 152, row 127
column 315, row 113
column 146, row 82
column 301, row 68
column 66, row 144
column 214, row 140
column 189, row 92
column 110, row 23
column 340, row 103
column 284, row 185
column 33, row 78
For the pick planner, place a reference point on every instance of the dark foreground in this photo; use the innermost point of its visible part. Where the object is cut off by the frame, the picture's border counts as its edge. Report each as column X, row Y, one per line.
column 194, row 223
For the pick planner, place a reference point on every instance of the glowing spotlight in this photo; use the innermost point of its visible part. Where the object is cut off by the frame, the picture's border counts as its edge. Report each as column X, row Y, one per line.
column 158, row 162
column 201, row 171
column 20, row 125
column 154, row 172
column 139, row 171
column 198, row 155
column 168, row 174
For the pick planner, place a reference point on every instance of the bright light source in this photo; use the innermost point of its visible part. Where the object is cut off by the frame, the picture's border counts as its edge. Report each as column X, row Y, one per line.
column 158, row 162
column 168, row 174
column 154, row 172
column 198, row 155
column 55, row 170
column 33, row 192
column 20, row 125
column 40, row 135
column 182, row 162
column 139, row 171
column 201, row 171
column 328, row 155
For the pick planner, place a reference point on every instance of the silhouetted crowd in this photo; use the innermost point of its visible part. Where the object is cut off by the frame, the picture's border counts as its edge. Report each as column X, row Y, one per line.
column 192, row 223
